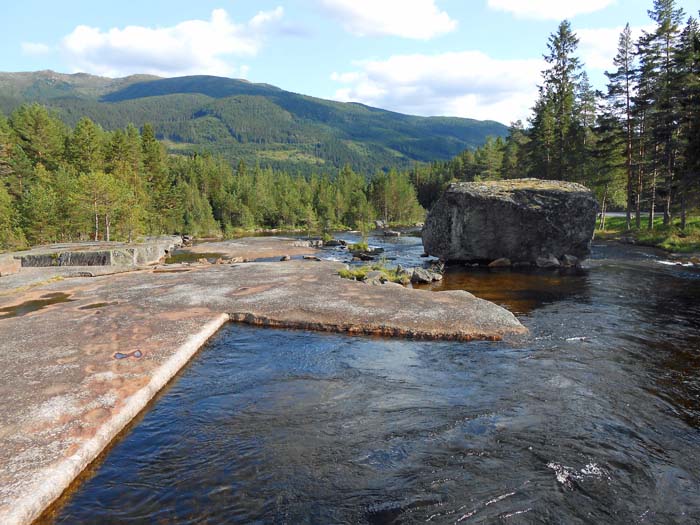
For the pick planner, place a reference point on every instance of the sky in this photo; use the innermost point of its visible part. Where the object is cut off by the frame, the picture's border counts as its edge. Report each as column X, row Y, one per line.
column 468, row 58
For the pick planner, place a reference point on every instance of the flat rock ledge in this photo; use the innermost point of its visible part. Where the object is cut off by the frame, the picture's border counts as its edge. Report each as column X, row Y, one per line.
column 74, row 373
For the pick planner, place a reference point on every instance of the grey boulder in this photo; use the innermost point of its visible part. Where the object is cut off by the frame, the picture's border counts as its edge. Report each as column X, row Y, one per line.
column 519, row 219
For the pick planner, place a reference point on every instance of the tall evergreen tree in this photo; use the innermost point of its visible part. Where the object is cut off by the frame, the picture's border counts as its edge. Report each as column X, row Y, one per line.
column 688, row 89
column 661, row 47
column 554, row 120
column 619, row 98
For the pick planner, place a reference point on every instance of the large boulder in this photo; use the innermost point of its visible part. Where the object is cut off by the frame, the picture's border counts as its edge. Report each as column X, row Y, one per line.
column 520, row 219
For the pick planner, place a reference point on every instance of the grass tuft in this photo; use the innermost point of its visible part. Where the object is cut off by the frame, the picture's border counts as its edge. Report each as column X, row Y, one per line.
column 359, row 273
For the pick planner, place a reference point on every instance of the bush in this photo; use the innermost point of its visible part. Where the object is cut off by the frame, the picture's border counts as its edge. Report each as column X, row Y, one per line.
column 359, row 247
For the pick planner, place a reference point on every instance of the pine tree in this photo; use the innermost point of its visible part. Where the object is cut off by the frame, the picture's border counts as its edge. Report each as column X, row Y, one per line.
column 559, row 88
column 40, row 134
column 85, row 148
column 582, row 134
column 687, row 84
column 661, row 48
column 619, row 99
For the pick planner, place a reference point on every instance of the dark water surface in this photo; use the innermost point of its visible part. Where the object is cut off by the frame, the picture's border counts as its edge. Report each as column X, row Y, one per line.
column 592, row 418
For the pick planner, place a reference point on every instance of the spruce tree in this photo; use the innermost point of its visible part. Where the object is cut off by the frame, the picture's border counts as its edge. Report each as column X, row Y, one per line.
column 619, row 98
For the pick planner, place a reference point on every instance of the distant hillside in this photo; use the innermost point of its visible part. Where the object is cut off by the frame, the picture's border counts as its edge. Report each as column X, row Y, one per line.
column 253, row 122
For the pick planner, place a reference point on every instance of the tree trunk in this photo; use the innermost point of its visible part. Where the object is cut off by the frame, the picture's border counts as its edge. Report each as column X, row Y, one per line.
column 107, row 225
column 629, row 154
column 97, row 221
column 638, row 197
column 652, row 199
column 668, row 198
column 603, row 209
column 683, row 212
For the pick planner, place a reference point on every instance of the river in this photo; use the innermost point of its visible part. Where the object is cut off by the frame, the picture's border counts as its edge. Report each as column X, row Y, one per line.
column 594, row 417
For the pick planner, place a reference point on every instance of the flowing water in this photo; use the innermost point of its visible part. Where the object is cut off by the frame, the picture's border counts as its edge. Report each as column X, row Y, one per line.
column 592, row 418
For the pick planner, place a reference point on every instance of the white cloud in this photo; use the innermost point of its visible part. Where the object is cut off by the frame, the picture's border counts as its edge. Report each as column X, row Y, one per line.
column 190, row 47
column 465, row 84
column 549, row 9
column 35, row 48
column 598, row 47
column 417, row 19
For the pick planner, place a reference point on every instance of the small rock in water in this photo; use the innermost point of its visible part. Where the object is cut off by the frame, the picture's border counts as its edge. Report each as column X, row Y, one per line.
column 503, row 262
column 421, row 275
column 311, row 258
column 548, row 262
column 569, row 261
column 286, row 258
column 391, row 233
column 202, row 260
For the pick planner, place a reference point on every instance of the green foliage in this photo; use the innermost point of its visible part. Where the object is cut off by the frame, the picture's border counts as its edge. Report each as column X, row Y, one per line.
column 359, row 273
column 358, row 247
column 671, row 238
column 119, row 185
column 11, row 237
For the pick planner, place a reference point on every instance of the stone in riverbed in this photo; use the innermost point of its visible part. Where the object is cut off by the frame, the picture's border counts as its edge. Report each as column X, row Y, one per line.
column 423, row 276
column 503, row 262
column 520, row 219
column 569, row 261
column 548, row 262
column 375, row 277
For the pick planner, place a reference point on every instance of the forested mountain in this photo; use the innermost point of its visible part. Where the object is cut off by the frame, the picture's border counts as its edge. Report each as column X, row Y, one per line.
column 257, row 123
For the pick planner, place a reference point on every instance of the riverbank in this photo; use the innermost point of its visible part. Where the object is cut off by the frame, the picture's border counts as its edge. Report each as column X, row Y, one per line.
column 83, row 355
column 668, row 238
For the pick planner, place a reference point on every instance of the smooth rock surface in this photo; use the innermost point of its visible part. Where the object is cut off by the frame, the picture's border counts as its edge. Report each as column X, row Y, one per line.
column 66, row 393
column 9, row 264
column 520, row 219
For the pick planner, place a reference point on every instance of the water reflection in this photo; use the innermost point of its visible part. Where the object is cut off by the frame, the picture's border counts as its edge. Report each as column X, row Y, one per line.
column 520, row 291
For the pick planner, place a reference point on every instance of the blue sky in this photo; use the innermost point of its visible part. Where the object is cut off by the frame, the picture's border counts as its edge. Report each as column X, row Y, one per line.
column 469, row 58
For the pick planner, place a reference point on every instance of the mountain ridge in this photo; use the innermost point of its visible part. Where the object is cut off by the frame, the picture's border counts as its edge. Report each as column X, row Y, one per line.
column 255, row 122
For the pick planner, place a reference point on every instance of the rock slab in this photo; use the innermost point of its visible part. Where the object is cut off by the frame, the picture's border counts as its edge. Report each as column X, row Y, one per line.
column 520, row 219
